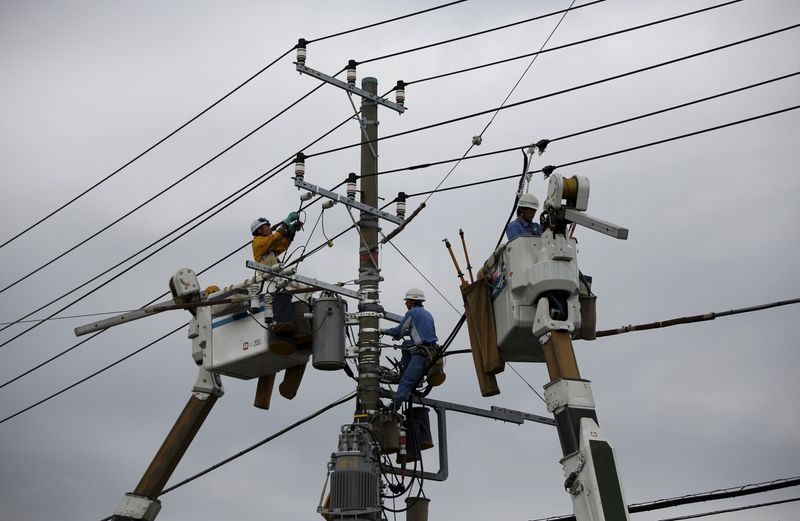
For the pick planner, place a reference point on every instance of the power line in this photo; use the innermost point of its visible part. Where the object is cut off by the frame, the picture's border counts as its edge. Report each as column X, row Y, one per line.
column 571, row 44
column 735, row 509
column 530, row 100
column 616, row 152
column 491, row 120
column 743, row 490
column 479, row 33
column 214, row 104
column 695, row 318
column 376, row 24
column 255, row 446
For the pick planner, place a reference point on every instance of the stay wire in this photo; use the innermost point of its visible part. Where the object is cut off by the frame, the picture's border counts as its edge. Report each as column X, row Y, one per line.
column 214, row 104
column 254, row 446
column 162, row 192
column 526, row 382
column 472, row 35
column 458, row 312
column 616, row 152
column 149, row 149
column 491, row 120
column 530, row 100
column 571, row 44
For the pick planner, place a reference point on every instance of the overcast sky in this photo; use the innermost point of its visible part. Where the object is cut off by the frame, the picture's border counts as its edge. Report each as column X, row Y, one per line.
column 89, row 85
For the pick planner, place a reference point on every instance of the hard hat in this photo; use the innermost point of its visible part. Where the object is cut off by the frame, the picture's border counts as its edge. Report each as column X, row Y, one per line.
column 528, row 201
column 414, row 294
column 258, row 223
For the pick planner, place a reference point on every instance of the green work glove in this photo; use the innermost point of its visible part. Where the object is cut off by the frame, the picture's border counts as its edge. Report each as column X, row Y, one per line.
column 292, row 217
column 295, row 226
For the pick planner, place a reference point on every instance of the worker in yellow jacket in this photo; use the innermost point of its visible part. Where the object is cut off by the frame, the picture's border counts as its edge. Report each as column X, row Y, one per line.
column 268, row 244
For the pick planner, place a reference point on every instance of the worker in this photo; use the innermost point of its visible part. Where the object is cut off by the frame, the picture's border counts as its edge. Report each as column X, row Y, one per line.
column 268, row 244
column 527, row 206
column 418, row 326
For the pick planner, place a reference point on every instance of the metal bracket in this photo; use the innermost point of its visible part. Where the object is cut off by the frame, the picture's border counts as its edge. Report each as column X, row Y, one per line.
column 593, row 223
column 333, row 288
column 299, row 183
column 302, row 69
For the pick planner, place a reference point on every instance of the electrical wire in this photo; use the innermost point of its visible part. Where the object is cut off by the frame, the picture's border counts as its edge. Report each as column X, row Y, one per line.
column 251, row 448
column 214, row 104
column 376, row 24
column 616, row 152
column 695, row 318
column 743, row 490
column 491, row 120
column 426, row 278
column 526, row 382
column 571, row 44
column 471, row 35
column 735, row 509
column 530, row 100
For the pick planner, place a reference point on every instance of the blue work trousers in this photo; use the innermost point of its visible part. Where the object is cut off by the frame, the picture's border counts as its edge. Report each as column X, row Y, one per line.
column 414, row 366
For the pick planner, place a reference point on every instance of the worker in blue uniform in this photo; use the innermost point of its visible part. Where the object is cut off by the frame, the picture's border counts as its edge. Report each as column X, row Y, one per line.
column 527, row 206
column 419, row 333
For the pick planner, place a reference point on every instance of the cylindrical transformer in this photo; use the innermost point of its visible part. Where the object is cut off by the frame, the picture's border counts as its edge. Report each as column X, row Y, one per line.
column 328, row 332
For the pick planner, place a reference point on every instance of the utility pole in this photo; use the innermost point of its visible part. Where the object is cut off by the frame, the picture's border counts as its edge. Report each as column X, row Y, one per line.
column 368, row 401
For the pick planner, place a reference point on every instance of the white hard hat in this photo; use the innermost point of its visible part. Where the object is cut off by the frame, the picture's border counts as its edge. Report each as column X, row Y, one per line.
column 414, row 294
column 258, row 223
column 528, row 201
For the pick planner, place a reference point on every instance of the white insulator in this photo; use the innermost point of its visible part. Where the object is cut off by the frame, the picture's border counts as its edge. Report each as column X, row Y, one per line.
column 328, row 204
column 300, row 169
column 400, row 96
column 401, row 208
column 351, row 76
column 306, row 196
column 301, row 54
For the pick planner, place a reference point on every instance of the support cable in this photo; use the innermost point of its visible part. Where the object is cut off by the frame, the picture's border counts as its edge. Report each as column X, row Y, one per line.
column 735, row 509
column 571, row 44
column 530, row 100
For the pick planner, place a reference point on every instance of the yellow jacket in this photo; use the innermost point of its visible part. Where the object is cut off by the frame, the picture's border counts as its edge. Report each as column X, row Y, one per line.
column 276, row 243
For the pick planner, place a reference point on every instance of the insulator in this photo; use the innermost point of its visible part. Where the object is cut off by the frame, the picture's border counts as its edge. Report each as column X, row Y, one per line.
column 351, row 72
column 401, row 204
column 268, row 313
column 400, row 92
column 301, row 50
column 255, row 303
column 328, row 204
column 300, row 166
column 402, row 451
column 351, row 185
column 306, row 196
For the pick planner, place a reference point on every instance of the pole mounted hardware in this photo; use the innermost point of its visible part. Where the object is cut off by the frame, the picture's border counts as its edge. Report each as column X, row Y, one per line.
column 349, row 201
column 350, row 87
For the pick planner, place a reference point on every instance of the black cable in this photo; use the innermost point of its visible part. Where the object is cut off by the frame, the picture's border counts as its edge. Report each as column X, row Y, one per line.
column 524, row 102
column 571, row 44
column 115, row 172
column 94, row 374
column 485, row 31
column 220, row 100
column 616, row 152
column 734, row 509
column 254, row 446
column 62, row 353
column 743, row 490
column 162, row 192
column 385, row 21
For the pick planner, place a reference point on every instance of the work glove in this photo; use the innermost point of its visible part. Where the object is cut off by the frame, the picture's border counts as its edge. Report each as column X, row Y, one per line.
column 295, row 226
column 292, row 217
